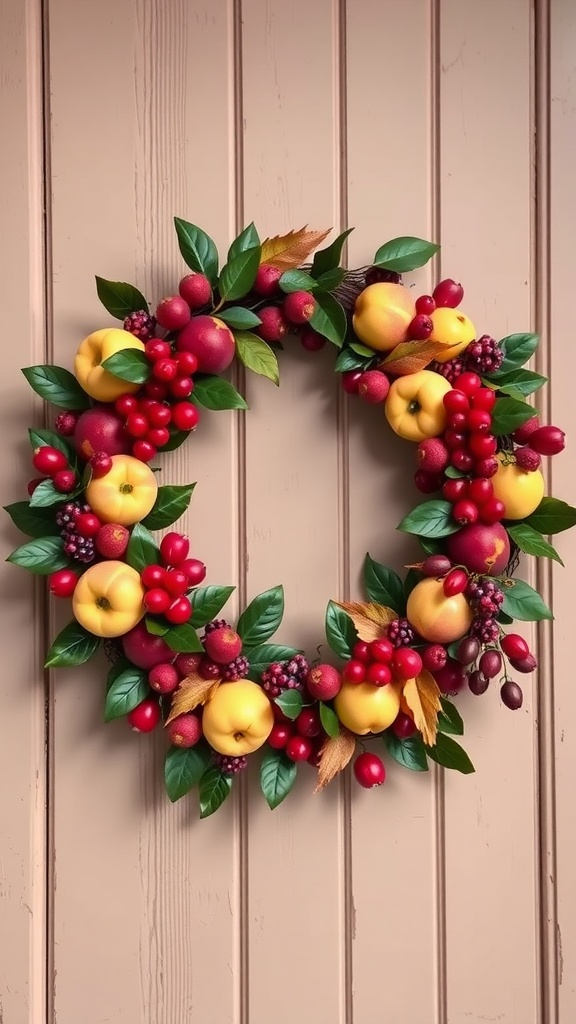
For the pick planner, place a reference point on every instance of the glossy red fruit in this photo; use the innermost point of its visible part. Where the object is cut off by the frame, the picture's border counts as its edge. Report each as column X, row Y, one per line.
column 33, row 484
column 153, row 576
column 378, row 674
column 455, row 582
column 406, row 663
column 196, row 290
column 468, row 650
column 448, row 293
column 145, row 716
column 174, row 548
column 137, row 424
column 451, row 678
column 144, row 450
column 492, row 511
column 279, row 736
column 155, row 349
column 185, row 416
column 176, row 582
column 456, row 401
column 484, row 398
column 62, row 583
column 457, row 421
column 299, row 748
column 403, row 726
column 369, row 770
column 420, row 328
column 65, row 480
column 163, row 678
column 455, row 490
column 454, row 440
column 486, row 468
column 465, row 512
column 49, row 460
column 480, row 491
column 521, row 434
column 482, row 446
column 308, row 723
column 548, row 440
column 425, row 304
column 514, row 646
column 461, row 460
column 469, row 383
column 179, row 611
column 361, row 652
column 381, row 650
column 434, row 657
column 155, row 390
column 87, row 524
column 194, row 569
column 427, row 483
column 182, row 387
column 478, row 683
column 354, row 672
column 173, row 313
column 165, row 370
column 436, row 565
column 159, row 415
column 187, row 363
column 100, row 464
column 479, row 420
column 157, row 601
column 158, row 436
column 266, row 281
column 350, row 381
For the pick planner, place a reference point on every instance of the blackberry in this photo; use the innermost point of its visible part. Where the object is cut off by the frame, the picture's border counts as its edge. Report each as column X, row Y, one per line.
column 374, row 275
column 237, row 669
column 230, row 765
column 484, row 355
column 285, row 675
column 141, row 324
column 487, row 630
column 400, row 633
column 80, row 549
column 216, row 624
column 485, row 597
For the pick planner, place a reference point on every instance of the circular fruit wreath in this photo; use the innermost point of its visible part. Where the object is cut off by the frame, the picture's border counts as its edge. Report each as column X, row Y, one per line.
column 223, row 691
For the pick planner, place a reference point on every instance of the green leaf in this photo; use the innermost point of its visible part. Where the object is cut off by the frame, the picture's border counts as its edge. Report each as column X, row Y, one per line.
column 129, row 364
column 183, row 639
column 504, row 619
column 142, row 549
column 523, row 382
column 329, row 720
column 116, row 670
column 257, row 355
column 450, row 754
column 450, row 719
column 32, row 521
column 340, row 631
column 290, row 703
column 329, row 318
column 214, row 788
column 350, row 360
column 183, row 769
column 262, row 617
column 207, row 602
column 237, row 277
column 331, row 279
column 508, row 414
column 430, row 519
column 49, row 438
column 405, row 253
column 522, row 602
column 411, row 580
column 216, row 393
column 157, row 627
column 532, row 542
column 43, row 555
column 453, row 473
column 411, row 752
column 57, row 385
column 296, row 281
column 362, row 350
column 517, row 348
column 128, row 690
column 171, row 502
column 430, row 546
column 277, row 776
column 247, row 239
column 119, row 298
column 383, row 586
column 45, row 495
column 262, row 656
column 328, row 259
column 239, row 318
column 552, row 516
column 74, row 645
column 197, row 249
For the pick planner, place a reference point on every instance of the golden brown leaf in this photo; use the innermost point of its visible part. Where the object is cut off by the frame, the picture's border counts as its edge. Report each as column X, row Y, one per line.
column 411, row 356
column 423, row 698
column 334, row 756
column 370, row 619
column 285, row 252
column 193, row 690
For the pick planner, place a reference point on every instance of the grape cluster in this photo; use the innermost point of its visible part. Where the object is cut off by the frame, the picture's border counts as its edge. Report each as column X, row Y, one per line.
column 285, row 675
column 141, row 325
column 230, row 765
column 400, row 633
column 485, row 597
column 80, row 549
column 483, row 356
column 237, row 669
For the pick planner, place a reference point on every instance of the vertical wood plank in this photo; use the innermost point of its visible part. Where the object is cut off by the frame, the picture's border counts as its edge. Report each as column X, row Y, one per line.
column 390, row 165
column 492, row 897
column 295, row 885
column 22, row 760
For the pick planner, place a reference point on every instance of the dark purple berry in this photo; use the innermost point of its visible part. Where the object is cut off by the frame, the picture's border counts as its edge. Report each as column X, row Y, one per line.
column 400, row 633
column 230, row 765
column 511, row 695
column 478, row 683
column 468, row 650
column 490, row 663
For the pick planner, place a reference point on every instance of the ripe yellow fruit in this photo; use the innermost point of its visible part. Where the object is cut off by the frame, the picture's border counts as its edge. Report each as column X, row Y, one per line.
column 520, row 491
column 414, row 407
column 108, row 599
column 434, row 616
column 238, row 718
column 382, row 314
column 453, row 329
column 92, row 352
column 364, row 708
column 126, row 494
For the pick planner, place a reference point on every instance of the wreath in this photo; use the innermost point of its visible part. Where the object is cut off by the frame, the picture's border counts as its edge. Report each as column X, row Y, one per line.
column 223, row 691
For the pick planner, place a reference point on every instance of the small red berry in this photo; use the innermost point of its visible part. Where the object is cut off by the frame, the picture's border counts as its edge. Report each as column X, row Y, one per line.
column 378, row 674
column 143, row 450
column 100, row 464
column 425, row 304
column 457, row 421
column 155, row 390
column 173, row 313
column 266, row 281
column 159, row 415
column 486, row 468
column 436, row 565
column 176, row 582
column 361, row 652
column 181, row 387
column 273, row 324
column 350, row 381
column 514, row 646
column 299, row 307
column 145, row 716
column 153, row 576
column 454, row 440
column 373, row 386
column 185, row 416
column 433, row 455
column 456, row 401
column 194, row 569
column 381, row 650
column 87, row 524
column 427, row 483
column 137, row 424
column 480, row 420
column 484, row 398
column 547, row 440
column 163, row 678
column 469, row 383
column 455, row 582
column 196, row 290
column 448, row 293
column 299, row 748
column 482, row 446
column 49, row 460
column 279, row 736
column 33, row 484
column 311, row 340
column 354, row 672
column 158, row 436
column 65, row 423
column 369, row 770
column 174, row 548
column 480, row 491
column 308, row 723
column 461, row 460
column 420, row 328
column 465, row 512
column 406, row 663
column 187, row 363
column 62, row 583
column 157, row 601
column 403, row 726
column 179, row 611
column 434, row 657
column 527, row 459
column 165, row 369
column 454, row 490
column 521, row 434
column 492, row 511
column 126, row 404
column 65, row 480
column 156, row 349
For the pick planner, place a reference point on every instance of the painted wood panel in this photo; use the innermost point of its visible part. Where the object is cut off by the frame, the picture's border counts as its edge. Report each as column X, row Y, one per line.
column 437, row 898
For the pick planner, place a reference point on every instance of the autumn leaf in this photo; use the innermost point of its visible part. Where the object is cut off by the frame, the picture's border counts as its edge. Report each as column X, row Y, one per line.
column 370, row 619
column 285, row 252
column 411, row 356
column 193, row 690
column 423, row 698
column 334, row 756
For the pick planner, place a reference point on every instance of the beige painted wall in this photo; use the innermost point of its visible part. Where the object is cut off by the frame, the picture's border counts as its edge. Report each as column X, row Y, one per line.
column 436, row 900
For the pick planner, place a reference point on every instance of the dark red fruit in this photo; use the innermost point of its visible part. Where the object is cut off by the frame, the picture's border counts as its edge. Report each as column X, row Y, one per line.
column 155, row 390
column 434, row 657
column 185, row 416
column 361, row 652
column 62, row 583
column 311, row 340
column 548, row 440
column 308, row 723
column 163, row 678
column 369, row 770
column 65, row 480
column 486, row 468
column 457, row 421
column 455, row 582
column 154, row 350
column 299, row 307
column 492, row 511
column 33, row 484
column 478, row 682
column 420, row 328
column 66, row 423
column 448, row 293
column 279, row 736
column 436, row 565
column 182, row 387
column 100, row 464
column 425, row 304
column 299, row 748
column 527, row 664
column 49, row 460
column 373, row 386
column 468, row 650
column 145, row 716
column 527, row 459
column 514, row 646
column 490, row 663
column 427, row 483
column 267, row 278
column 465, row 512
column 350, row 381
column 403, row 726
column 454, row 440
column 274, row 324
column 455, row 490
column 461, row 460
column 511, row 695
column 451, row 678
column 179, row 611
column 174, row 548
column 523, row 433
column 194, row 569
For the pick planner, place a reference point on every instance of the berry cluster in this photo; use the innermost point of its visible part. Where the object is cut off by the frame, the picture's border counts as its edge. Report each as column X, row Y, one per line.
column 447, row 294
column 167, row 584
column 483, row 356
column 78, row 527
column 223, row 658
column 400, row 633
column 301, row 739
column 285, row 675
column 54, row 466
column 284, row 313
column 380, row 661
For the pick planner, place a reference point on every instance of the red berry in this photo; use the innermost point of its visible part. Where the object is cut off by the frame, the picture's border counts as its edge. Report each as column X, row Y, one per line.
column 433, row 455
column 87, row 524
column 159, row 415
column 65, row 480
column 65, row 423
column 425, row 304
column 299, row 307
column 354, row 672
column 482, row 446
column 406, row 663
column 381, row 650
column 126, row 404
column 100, row 464
column 165, row 369
column 143, row 450
column 527, row 664
column 427, row 483
column 457, row 421
column 455, row 582
column 181, row 387
column 369, row 770
column 490, row 664
column 486, row 468
column 196, row 290
column 49, row 460
column 194, row 569
column 153, row 576
column 461, row 460
column 547, row 440
column 163, row 678
column 514, row 646
column 484, row 399
column 62, row 583
column 145, row 405
column 373, row 386
column 448, row 293
column 521, row 434
column 273, row 325
column 350, row 381
column 454, row 440
column 176, row 582
column 454, row 490
column 146, row 716
column 157, row 601
column 311, row 340
column 154, row 389
column 266, row 281
column 420, row 328
column 452, row 677
column 137, row 424
column 361, row 652
column 403, row 726
column 378, row 674
column 179, row 611
column 480, row 491
column 279, row 736
column 173, row 313
column 434, row 657
column 33, row 484
column 456, row 401
column 299, row 748
column 158, row 436
column 185, row 416
column 469, row 383
column 308, row 723
column 527, row 459
column 156, row 349
column 187, row 363
column 465, row 512
column 492, row 511
column 480, row 420
column 174, row 548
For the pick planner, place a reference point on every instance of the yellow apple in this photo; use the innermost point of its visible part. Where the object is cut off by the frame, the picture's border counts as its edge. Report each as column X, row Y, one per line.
column 382, row 314
column 126, row 494
column 364, row 708
column 238, row 718
column 414, row 407
column 108, row 599
column 92, row 352
column 453, row 329
column 520, row 491
column 434, row 616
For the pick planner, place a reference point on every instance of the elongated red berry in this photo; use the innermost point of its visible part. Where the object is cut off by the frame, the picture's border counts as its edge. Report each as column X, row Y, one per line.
column 455, row 582
column 49, row 460
column 514, row 646
column 547, row 440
